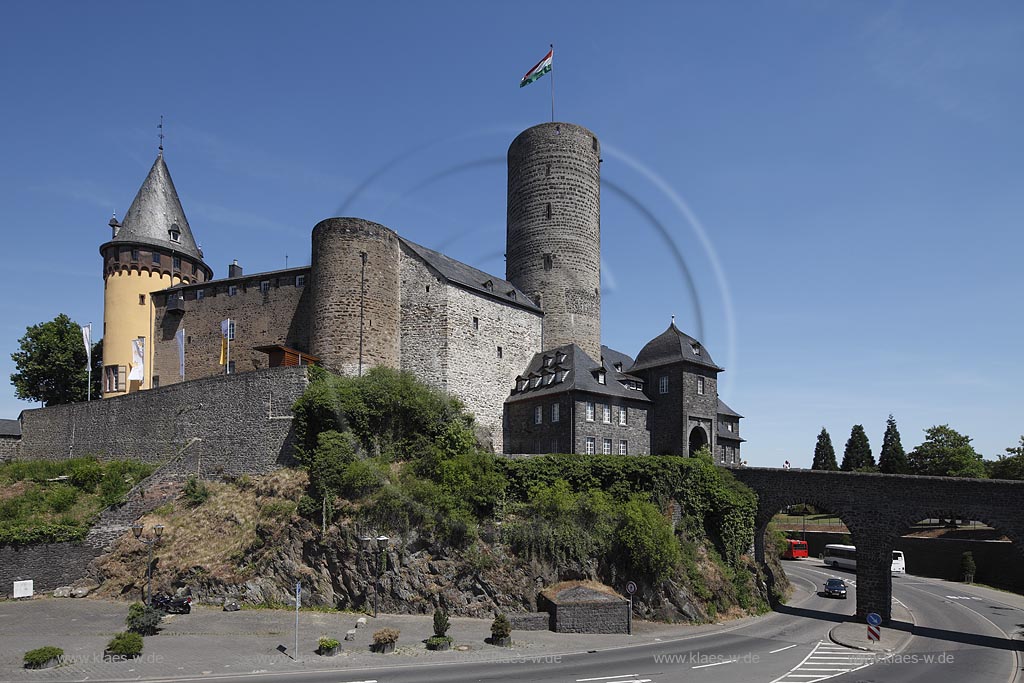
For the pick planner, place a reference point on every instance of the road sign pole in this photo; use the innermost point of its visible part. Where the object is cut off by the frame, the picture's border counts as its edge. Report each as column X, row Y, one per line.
column 298, row 602
column 630, row 588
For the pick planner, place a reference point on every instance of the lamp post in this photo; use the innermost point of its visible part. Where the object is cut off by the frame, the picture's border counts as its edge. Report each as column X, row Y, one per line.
column 382, row 564
column 158, row 531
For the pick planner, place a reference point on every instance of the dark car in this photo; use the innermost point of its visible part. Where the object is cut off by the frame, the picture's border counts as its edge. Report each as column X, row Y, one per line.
column 835, row 588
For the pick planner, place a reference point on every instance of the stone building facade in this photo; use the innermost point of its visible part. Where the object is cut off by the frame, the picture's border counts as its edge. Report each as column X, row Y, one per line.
column 372, row 297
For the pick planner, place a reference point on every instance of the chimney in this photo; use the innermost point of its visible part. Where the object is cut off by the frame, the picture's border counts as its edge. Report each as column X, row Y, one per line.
column 234, row 270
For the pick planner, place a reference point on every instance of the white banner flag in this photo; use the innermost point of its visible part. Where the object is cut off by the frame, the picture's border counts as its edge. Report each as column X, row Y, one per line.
column 87, row 340
column 225, row 328
column 138, row 365
column 180, row 338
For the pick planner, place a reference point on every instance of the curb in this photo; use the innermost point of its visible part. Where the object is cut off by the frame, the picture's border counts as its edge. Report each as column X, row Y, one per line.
column 838, row 640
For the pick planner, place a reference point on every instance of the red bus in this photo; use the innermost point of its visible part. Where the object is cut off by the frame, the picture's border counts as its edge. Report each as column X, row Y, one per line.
column 795, row 549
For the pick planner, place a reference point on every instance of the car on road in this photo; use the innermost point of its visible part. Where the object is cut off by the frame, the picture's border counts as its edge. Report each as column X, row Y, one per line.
column 835, row 588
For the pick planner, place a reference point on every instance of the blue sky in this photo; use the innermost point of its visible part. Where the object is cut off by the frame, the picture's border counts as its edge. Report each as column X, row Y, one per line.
column 843, row 181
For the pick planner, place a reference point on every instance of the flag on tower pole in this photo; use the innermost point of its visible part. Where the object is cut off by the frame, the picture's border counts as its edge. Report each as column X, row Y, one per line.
column 539, row 69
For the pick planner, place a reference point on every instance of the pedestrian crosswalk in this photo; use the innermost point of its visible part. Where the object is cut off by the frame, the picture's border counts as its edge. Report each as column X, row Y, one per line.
column 826, row 660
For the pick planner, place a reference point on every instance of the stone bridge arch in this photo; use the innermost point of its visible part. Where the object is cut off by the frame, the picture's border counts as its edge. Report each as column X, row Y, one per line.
column 878, row 509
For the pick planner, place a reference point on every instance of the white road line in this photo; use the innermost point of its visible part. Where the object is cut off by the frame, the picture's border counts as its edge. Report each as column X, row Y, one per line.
column 824, row 662
column 704, row 666
column 783, row 648
column 606, row 678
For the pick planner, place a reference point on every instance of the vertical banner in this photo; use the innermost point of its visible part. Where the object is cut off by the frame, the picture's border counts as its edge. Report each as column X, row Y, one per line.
column 225, row 329
column 87, row 340
column 138, row 365
column 180, row 338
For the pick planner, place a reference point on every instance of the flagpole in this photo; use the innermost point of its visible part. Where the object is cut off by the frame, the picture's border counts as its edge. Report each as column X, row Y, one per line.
column 89, row 368
column 552, row 82
column 227, row 358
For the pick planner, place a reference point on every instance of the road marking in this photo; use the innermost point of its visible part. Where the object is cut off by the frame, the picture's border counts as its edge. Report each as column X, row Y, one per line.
column 962, row 597
column 825, row 661
column 606, row 678
column 704, row 666
column 782, row 648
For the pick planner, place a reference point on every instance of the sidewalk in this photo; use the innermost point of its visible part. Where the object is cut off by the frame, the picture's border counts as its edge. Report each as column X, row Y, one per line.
column 211, row 642
column 895, row 635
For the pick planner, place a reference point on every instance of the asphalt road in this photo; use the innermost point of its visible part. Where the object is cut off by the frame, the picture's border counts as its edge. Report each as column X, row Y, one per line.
column 958, row 637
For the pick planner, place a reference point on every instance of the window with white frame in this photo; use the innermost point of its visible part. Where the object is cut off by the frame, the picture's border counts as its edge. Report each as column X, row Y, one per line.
column 700, row 386
column 590, row 411
column 623, row 413
column 623, row 447
column 200, row 294
column 607, row 447
column 554, row 412
column 232, row 290
column 591, row 445
column 606, row 414
column 264, row 286
column 538, row 415
column 601, row 378
column 663, row 384
column 300, row 280
column 554, row 445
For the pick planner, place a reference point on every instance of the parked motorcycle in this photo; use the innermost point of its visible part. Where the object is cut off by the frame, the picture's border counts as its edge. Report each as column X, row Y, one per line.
column 172, row 605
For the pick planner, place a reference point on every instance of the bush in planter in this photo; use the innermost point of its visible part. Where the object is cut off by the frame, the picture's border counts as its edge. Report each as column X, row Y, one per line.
column 125, row 644
column 143, row 619
column 441, row 623
column 384, row 640
column 327, row 646
column 439, row 643
column 38, row 658
column 501, row 630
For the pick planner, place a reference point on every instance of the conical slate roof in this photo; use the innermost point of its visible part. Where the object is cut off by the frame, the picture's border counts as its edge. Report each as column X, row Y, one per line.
column 672, row 346
column 156, row 212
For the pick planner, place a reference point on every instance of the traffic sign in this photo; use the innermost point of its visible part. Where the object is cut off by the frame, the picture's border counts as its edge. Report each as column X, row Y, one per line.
column 874, row 619
column 874, row 632
column 631, row 587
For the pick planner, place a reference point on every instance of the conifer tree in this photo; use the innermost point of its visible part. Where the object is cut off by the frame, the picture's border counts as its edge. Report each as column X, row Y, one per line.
column 824, row 453
column 857, row 454
column 892, row 459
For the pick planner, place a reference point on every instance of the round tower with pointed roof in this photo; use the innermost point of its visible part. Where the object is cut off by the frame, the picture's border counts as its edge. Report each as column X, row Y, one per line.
column 151, row 249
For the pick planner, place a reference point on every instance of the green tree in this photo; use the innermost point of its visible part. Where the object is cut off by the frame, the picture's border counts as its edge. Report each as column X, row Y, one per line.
column 892, row 459
column 857, row 454
column 946, row 453
column 51, row 363
column 1010, row 466
column 824, row 453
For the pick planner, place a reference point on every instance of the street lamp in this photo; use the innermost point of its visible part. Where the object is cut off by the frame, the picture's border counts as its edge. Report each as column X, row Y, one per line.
column 382, row 565
column 158, row 531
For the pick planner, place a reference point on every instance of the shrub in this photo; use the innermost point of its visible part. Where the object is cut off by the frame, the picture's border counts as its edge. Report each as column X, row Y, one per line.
column 195, row 492
column 325, row 643
column 501, row 627
column 361, row 477
column 125, row 644
column 61, row 498
column 40, row 656
column 143, row 619
column 441, row 623
column 967, row 565
column 86, row 475
column 386, row 636
column 437, row 642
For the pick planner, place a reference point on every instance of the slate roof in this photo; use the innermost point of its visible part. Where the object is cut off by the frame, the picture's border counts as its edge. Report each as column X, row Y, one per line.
column 611, row 357
column 155, row 210
column 729, row 436
column 471, row 278
column 578, row 369
column 673, row 346
column 726, row 410
column 10, row 428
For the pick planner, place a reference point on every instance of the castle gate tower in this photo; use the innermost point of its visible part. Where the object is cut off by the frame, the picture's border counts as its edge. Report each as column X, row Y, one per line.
column 355, row 308
column 553, row 248
column 152, row 249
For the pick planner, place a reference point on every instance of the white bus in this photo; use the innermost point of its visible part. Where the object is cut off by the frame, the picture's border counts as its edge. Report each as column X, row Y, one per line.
column 845, row 556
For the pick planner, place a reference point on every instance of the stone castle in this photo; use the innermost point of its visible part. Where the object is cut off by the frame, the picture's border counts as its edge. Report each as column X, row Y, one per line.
column 523, row 353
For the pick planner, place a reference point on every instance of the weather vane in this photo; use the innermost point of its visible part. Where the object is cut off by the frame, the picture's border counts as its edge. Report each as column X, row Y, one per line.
column 161, row 135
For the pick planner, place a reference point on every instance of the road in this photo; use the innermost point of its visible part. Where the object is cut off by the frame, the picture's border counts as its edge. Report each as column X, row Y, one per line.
column 958, row 637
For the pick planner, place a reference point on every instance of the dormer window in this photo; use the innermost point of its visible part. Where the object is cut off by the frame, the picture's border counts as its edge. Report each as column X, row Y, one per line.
column 696, row 349
column 175, row 233
column 536, row 382
column 489, row 286
column 560, row 377
column 618, row 367
column 548, row 379
column 548, row 360
column 512, row 294
column 559, row 357
column 601, row 377
column 521, row 383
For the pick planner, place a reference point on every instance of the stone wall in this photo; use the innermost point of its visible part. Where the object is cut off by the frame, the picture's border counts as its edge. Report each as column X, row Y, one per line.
column 424, row 322
column 674, row 414
column 9, row 447
column 597, row 617
column 49, row 565
column 530, row 621
column 635, row 432
column 279, row 315
column 526, row 436
column 478, row 374
column 229, row 424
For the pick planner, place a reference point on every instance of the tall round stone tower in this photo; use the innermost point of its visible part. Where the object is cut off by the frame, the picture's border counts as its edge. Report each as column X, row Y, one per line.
column 553, row 249
column 355, row 309
column 151, row 249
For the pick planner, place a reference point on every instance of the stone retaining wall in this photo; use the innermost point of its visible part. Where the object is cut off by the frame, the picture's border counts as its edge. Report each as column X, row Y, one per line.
column 598, row 617
column 49, row 565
